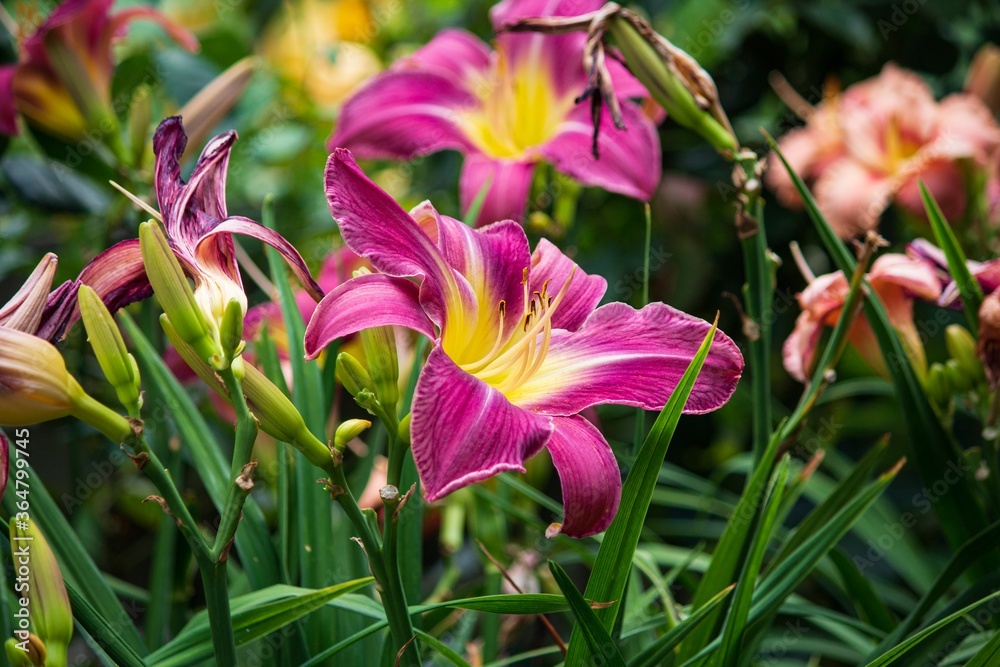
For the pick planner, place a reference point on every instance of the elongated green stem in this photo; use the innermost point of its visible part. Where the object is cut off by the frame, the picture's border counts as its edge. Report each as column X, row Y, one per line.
column 396, row 609
column 213, row 575
column 390, row 539
column 759, row 296
column 240, row 484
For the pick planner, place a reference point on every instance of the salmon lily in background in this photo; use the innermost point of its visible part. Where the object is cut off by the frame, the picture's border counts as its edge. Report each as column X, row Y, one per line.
column 872, row 145
column 62, row 81
column 520, row 346
column 896, row 279
column 198, row 228
column 506, row 110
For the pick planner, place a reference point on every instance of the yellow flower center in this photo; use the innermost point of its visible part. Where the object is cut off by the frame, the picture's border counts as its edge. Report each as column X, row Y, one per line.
column 511, row 362
column 898, row 149
column 518, row 110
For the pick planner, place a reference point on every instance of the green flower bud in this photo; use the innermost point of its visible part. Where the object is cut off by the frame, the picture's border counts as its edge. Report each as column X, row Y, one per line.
column 959, row 380
column 277, row 415
column 36, row 387
column 379, row 344
column 939, row 387
column 28, row 652
column 231, row 331
column 403, row 432
column 175, row 295
column 353, row 375
column 49, row 610
column 962, row 348
column 348, row 431
column 672, row 82
column 118, row 365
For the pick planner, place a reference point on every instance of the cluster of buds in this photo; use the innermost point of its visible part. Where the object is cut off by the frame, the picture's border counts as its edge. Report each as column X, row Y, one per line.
column 962, row 372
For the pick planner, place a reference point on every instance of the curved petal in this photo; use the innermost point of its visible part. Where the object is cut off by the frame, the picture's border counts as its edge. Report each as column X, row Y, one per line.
column 248, row 227
column 464, row 431
column 190, row 209
column 799, row 349
column 508, row 189
column 589, row 475
column 559, row 55
column 367, row 301
column 630, row 357
column 942, row 177
column 629, row 161
column 852, row 197
column 118, row 276
column 24, row 310
column 916, row 276
column 400, row 115
column 120, row 20
column 549, row 264
column 374, row 226
column 8, row 108
column 454, row 53
column 60, row 311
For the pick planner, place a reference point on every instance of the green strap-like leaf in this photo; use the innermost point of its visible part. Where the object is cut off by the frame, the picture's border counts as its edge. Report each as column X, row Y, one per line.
column 655, row 653
column 255, row 615
column 968, row 287
column 102, row 632
column 614, row 558
column 593, row 632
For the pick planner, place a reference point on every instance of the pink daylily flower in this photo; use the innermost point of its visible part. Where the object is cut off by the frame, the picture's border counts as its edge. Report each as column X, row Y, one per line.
column 506, row 110
column 873, row 145
column 520, row 346
column 896, row 279
column 64, row 73
column 987, row 273
column 198, row 228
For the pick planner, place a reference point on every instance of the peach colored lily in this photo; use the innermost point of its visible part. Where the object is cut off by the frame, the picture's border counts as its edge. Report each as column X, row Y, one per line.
column 871, row 146
column 896, row 279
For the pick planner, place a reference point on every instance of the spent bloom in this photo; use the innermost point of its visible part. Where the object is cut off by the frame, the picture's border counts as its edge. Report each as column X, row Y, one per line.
column 896, row 279
column 520, row 346
column 199, row 231
column 34, row 383
column 505, row 110
column 62, row 80
column 872, row 145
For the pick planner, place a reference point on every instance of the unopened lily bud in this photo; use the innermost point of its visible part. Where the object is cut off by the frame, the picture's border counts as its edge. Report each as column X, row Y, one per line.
column 36, row 387
column 962, row 348
column 673, row 83
column 988, row 347
column 24, row 310
column 938, row 385
column 379, row 344
column 277, row 415
column 206, row 109
column 353, row 375
column 28, row 652
column 48, row 604
column 403, row 432
column 174, row 293
column 118, row 365
column 348, row 431
column 983, row 79
column 231, row 330
column 960, row 381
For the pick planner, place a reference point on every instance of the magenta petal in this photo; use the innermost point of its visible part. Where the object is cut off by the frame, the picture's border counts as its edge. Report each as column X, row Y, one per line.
column 118, row 276
column 561, row 56
column 248, row 227
column 367, row 301
column 509, row 186
column 193, row 208
column 60, row 310
column 549, row 264
column 4, row 462
column 8, row 107
column 631, row 357
column 403, row 114
column 629, row 161
column 464, row 431
column 588, row 473
column 454, row 53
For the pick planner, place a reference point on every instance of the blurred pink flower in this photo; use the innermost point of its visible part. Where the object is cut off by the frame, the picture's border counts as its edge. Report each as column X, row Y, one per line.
column 62, row 80
column 506, row 110
column 873, row 144
column 896, row 279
